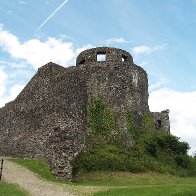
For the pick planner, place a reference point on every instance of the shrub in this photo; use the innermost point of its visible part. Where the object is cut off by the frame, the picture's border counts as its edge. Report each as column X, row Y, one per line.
column 152, row 151
column 182, row 161
column 106, row 158
column 192, row 169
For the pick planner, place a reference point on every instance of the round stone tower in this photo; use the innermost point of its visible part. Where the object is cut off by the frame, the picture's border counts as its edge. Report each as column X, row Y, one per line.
column 111, row 74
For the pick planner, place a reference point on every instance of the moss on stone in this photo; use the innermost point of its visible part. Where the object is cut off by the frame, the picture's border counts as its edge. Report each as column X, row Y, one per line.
column 101, row 120
column 147, row 122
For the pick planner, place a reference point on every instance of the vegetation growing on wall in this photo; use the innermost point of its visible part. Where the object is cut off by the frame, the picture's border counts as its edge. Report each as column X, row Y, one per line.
column 147, row 122
column 131, row 125
column 103, row 123
column 160, row 152
column 100, row 118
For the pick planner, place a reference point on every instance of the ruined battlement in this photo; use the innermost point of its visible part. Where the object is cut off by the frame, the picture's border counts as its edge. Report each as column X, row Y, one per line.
column 103, row 55
column 48, row 118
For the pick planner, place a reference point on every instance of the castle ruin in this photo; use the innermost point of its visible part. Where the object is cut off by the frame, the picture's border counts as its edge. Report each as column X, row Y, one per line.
column 48, row 119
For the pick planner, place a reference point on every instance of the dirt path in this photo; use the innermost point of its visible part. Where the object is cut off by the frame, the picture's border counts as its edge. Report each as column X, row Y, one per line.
column 14, row 173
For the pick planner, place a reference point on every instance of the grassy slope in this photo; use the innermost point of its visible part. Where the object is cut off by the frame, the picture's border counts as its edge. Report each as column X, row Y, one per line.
column 126, row 179
column 123, row 183
column 151, row 191
column 11, row 190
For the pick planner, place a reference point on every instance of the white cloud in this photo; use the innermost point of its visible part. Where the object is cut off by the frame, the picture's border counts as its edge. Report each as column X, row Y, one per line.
column 13, row 64
column 7, row 40
column 33, row 52
column 12, row 94
column 115, row 40
column 19, row 73
column 15, row 90
column 36, row 52
column 147, row 49
column 79, row 50
column 144, row 63
column 182, row 112
column 157, row 84
column 3, row 77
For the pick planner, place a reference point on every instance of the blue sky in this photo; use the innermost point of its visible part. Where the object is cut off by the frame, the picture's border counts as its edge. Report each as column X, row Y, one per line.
column 160, row 35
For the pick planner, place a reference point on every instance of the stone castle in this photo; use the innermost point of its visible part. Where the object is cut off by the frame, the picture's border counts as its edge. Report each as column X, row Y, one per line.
column 48, row 119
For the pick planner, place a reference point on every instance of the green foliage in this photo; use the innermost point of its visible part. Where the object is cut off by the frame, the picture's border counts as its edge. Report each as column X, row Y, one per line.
column 147, row 122
column 103, row 124
column 105, row 158
column 192, row 169
column 100, row 118
column 154, row 142
column 152, row 152
column 11, row 190
column 165, row 147
column 194, row 155
column 131, row 125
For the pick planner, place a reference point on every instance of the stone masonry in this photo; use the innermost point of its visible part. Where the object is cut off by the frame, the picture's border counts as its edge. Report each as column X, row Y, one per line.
column 48, row 119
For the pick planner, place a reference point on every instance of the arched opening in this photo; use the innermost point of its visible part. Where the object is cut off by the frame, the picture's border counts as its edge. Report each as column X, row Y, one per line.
column 159, row 124
column 82, row 62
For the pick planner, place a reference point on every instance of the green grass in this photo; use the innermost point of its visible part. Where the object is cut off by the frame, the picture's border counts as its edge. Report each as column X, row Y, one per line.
column 166, row 190
column 129, row 179
column 103, row 178
column 11, row 190
column 121, row 183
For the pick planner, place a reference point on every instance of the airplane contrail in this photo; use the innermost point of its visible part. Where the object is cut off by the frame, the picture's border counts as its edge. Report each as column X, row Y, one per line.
column 51, row 15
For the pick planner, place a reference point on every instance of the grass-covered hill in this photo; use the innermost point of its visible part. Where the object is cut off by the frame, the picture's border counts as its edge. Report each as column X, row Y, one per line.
column 161, row 153
column 151, row 150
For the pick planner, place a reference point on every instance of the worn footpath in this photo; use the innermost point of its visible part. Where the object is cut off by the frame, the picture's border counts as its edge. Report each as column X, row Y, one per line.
column 14, row 173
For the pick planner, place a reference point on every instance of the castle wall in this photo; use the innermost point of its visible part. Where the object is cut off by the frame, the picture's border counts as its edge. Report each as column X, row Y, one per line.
column 123, row 84
column 118, row 81
column 54, row 99
column 161, row 120
column 48, row 119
